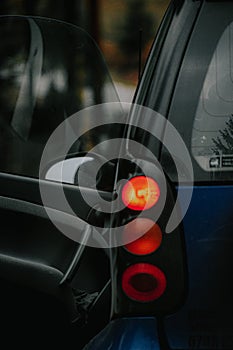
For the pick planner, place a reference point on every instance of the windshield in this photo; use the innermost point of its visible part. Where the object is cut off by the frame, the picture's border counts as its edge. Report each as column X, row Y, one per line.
column 49, row 70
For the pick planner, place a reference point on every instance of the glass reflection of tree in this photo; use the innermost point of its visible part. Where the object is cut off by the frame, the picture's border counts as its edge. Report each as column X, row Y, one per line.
column 223, row 144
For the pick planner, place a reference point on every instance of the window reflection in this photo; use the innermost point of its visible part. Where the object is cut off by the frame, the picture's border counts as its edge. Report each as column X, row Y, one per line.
column 212, row 128
column 49, row 70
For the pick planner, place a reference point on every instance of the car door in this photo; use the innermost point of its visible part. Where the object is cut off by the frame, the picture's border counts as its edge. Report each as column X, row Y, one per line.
column 50, row 71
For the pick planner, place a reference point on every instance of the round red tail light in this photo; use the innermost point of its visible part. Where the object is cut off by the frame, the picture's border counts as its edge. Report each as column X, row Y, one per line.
column 143, row 282
column 149, row 233
column 140, row 193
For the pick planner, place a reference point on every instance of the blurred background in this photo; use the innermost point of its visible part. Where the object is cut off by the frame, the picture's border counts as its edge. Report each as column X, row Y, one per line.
column 120, row 28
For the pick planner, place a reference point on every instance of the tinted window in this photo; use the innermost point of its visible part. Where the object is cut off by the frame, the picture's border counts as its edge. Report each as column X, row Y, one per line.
column 213, row 123
column 49, row 70
column 202, row 105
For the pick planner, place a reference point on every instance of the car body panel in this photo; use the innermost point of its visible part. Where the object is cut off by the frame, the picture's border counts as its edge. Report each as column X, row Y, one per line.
column 127, row 333
column 206, row 316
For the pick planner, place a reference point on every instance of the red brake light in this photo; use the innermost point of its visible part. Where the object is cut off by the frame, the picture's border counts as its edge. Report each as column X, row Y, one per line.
column 140, row 193
column 148, row 242
column 143, row 282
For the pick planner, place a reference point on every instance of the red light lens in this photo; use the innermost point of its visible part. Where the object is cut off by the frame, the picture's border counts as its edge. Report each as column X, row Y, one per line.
column 143, row 282
column 149, row 242
column 140, row 193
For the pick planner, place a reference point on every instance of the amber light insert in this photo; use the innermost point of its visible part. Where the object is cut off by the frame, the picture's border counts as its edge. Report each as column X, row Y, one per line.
column 149, row 241
column 140, row 193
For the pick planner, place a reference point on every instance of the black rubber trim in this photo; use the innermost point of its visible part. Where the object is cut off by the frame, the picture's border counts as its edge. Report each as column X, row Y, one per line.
column 38, row 276
column 40, row 211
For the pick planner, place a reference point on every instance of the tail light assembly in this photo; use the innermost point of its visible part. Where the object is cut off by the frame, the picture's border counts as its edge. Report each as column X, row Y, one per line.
column 146, row 244
column 149, row 269
column 143, row 282
column 140, row 193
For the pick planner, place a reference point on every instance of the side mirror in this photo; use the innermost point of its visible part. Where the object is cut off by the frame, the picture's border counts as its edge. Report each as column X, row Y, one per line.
column 89, row 171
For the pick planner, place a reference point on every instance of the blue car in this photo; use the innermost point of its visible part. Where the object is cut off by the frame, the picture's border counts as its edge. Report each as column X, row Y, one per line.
column 116, row 218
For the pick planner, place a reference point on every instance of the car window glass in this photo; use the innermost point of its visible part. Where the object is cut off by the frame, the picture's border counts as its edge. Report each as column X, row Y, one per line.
column 202, row 104
column 212, row 133
column 49, row 70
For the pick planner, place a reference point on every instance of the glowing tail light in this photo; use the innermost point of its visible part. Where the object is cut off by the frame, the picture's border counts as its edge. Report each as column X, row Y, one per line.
column 140, row 193
column 143, row 282
column 149, row 233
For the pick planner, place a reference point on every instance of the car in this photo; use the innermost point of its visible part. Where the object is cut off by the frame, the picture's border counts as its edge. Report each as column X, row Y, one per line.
column 117, row 218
